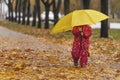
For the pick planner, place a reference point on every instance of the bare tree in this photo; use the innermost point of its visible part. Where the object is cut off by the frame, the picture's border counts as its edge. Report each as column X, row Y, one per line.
column 104, row 24
column 28, row 12
column 24, row 2
column 115, row 8
column 38, row 13
column 47, row 4
column 19, row 11
column 66, row 6
column 16, row 9
column 56, row 9
column 34, row 16
column 86, row 4
column 10, row 9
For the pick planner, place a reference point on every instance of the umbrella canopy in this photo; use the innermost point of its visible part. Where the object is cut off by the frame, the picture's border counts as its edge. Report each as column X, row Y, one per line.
column 76, row 18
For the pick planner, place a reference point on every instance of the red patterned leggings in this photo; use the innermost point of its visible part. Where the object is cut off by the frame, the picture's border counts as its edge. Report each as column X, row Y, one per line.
column 82, row 56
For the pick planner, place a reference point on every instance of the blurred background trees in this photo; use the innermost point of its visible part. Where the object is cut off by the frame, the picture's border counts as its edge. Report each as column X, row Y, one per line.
column 32, row 12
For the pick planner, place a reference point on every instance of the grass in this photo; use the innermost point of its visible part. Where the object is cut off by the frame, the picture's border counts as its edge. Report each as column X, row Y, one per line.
column 113, row 33
column 115, row 20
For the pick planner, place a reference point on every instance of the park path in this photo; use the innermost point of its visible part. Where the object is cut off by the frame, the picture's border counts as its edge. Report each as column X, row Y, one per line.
column 11, row 39
column 23, row 55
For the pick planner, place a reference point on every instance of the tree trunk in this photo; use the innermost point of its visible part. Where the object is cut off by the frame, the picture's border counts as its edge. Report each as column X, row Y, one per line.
column 23, row 11
column 34, row 16
column 16, row 9
column 104, row 24
column 66, row 6
column 47, row 9
column 38, row 13
column 28, row 12
column 11, row 8
column 47, row 17
column 56, row 9
column 86, row 4
column 19, row 9
column 9, row 17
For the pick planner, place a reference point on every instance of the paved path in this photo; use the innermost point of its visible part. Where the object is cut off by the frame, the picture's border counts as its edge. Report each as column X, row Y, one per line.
column 11, row 39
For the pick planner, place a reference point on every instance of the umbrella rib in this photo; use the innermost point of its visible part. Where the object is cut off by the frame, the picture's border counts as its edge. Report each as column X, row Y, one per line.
column 90, row 18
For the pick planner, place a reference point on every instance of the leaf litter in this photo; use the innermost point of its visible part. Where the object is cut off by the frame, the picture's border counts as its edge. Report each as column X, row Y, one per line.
column 53, row 61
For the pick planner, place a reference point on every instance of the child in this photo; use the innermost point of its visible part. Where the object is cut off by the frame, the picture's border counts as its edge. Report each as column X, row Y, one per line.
column 81, row 44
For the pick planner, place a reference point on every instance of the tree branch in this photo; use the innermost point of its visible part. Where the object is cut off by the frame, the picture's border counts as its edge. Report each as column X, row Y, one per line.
column 43, row 2
column 58, row 5
column 6, row 2
column 51, row 3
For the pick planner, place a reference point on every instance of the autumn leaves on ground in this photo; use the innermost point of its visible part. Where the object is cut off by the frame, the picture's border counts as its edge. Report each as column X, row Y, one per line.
column 38, row 55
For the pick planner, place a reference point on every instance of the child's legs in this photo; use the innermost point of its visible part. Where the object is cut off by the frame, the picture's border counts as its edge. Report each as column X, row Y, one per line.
column 83, row 59
column 75, row 57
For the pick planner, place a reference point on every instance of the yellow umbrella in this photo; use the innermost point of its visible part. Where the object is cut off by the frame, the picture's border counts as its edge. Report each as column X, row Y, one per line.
column 78, row 17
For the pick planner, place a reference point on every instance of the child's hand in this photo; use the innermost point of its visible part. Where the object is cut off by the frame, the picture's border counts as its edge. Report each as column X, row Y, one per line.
column 81, row 33
column 80, row 29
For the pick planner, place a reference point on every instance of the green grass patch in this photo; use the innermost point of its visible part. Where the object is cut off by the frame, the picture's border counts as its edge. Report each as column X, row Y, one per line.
column 114, row 33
